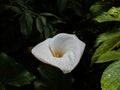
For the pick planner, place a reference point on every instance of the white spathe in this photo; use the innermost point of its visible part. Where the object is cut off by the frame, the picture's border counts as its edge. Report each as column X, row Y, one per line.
column 63, row 51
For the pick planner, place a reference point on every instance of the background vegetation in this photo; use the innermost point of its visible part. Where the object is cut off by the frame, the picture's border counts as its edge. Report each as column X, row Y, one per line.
column 25, row 23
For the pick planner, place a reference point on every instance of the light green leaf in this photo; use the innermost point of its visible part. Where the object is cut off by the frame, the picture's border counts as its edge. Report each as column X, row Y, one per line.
column 26, row 23
column 112, row 15
column 109, row 56
column 12, row 73
column 105, row 46
column 111, row 77
column 105, row 36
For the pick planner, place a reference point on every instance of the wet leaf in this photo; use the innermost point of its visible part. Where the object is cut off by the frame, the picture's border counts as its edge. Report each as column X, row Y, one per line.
column 111, row 77
column 104, row 47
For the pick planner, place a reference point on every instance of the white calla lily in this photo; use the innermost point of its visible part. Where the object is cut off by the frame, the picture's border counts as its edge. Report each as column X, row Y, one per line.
column 62, row 51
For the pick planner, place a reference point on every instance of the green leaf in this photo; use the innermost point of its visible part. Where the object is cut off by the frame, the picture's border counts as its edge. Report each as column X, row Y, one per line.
column 39, row 24
column 48, row 72
column 40, row 85
column 12, row 73
column 52, row 78
column 26, row 23
column 105, row 36
column 105, row 46
column 98, row 7
column 49, row 14
column 13, row 8
column 109, row 56
column 43, row 19
column 48, row 30
column 111, row 77
column 21, row 3
column 112, row 15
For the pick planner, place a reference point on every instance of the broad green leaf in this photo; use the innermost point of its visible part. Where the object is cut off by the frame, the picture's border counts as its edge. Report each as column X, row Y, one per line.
column 26, row 23
column 62, row 5
column 49, row 78
column 52, row 78
column 109, row 56
column 48, row 30
column 48, row 72
column 12, row 73
column 106, row 36
column 112, row 15
column 111, row 77
column 104, row 47
column 39, row 24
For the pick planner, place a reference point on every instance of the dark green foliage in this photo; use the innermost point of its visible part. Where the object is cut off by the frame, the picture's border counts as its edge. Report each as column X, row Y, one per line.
column 53, row 79
column 25, row 23
column 12, row 73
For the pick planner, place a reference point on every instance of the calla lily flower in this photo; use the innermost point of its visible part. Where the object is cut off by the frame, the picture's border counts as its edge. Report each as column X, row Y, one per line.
column 63, row 51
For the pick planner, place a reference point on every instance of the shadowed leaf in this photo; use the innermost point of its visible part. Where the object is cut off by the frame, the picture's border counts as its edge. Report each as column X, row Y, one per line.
column 52, row 78
column 26, row 23
column 12, row 73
